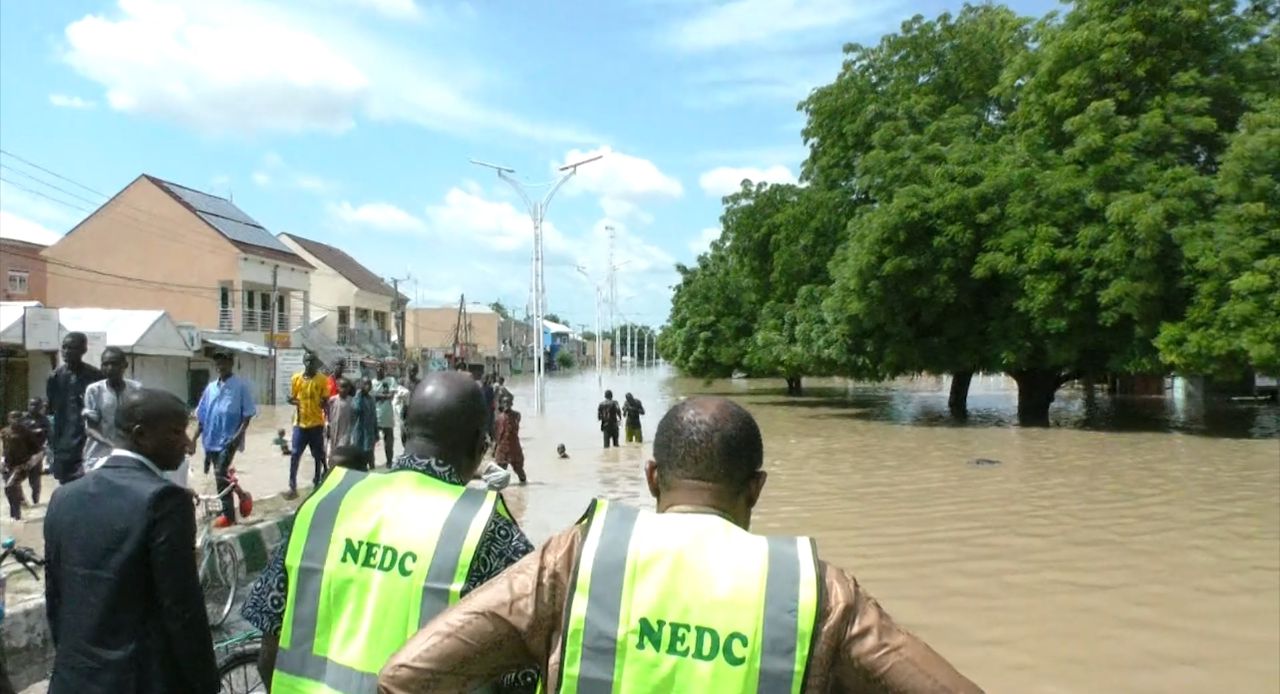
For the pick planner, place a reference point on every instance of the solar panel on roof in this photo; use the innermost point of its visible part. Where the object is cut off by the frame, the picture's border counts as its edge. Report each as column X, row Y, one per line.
column 244, row 233
column 213, row 205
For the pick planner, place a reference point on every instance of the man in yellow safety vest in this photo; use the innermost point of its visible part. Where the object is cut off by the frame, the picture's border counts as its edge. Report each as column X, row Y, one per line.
column 373, row 557
column 681, row 600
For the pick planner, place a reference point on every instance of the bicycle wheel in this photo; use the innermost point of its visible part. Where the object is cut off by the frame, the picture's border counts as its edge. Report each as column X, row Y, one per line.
column 219, row 573
column 238, row 672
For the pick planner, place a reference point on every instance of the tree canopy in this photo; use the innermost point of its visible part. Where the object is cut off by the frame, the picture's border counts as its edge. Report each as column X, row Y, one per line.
column 1090, row 193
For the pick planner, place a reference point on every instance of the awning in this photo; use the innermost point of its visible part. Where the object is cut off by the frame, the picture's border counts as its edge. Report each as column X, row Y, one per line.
column 241, row 346
column 11, row 328
column 147, row 332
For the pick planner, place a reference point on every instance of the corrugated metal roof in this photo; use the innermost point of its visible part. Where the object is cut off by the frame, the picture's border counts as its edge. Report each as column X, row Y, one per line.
column 138, row 331
column 224, row 216
column 241, row 346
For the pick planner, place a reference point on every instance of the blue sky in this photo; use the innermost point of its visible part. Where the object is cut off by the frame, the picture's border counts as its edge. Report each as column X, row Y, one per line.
column 352, row 122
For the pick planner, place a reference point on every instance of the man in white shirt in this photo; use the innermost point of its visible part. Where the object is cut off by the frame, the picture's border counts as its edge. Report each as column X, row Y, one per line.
column 100, row 402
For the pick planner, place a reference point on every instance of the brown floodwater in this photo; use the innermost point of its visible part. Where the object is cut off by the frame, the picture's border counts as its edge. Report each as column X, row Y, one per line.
column 1134, row 546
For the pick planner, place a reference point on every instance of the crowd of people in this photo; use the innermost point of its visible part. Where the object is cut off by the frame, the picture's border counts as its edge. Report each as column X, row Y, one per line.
column 410, row 580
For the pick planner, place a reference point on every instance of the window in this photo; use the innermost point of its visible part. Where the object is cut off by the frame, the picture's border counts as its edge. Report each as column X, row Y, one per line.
column 19, row 280
column 344, row 315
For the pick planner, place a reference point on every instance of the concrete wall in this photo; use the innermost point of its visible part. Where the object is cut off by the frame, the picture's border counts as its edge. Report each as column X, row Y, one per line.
column 23, row 256
column 143, row 233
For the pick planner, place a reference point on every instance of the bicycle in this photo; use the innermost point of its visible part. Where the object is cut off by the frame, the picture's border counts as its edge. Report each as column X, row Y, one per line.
column 28, row 558
column 238, row 664
column 218, row 565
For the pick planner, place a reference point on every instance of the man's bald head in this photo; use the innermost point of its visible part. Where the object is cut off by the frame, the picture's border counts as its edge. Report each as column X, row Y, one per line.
column 447, row 415
column 154, row 424
column 711, row 440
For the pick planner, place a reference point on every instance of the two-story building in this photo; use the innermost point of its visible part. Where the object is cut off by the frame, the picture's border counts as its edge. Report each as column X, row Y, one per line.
column 159, row 245
column 359, row 307
column 23, row 273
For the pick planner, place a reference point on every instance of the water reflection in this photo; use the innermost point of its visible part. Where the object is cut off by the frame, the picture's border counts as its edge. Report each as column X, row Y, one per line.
column 993, row 402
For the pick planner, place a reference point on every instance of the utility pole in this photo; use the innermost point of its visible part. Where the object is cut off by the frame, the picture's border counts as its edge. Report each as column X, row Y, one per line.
column 397, row 315
column 613, row 300
column 275, row 325
column 537, row 212
column 631, row 343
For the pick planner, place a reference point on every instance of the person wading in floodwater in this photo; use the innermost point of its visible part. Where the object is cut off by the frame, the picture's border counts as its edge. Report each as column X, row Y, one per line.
column 682, row 600
column 609, row 415
column 632, row 411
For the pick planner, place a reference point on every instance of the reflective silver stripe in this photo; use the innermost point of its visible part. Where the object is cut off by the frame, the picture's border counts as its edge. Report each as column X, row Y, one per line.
column 299, row 660
column 781, row 617
column 444, row 562
column 604, row 601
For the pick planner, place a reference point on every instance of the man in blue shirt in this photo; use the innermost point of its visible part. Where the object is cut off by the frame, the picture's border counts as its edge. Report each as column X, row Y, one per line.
column 223, row 416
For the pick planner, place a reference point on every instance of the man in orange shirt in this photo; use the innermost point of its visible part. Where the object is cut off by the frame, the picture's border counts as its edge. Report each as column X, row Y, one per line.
column 308, row 394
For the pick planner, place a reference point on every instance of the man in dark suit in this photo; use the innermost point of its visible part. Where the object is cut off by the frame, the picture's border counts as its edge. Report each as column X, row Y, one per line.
column 124, row 602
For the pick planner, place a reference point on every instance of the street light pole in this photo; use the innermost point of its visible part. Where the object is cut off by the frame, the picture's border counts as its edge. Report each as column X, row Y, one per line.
column 598, row 348
column 537, row 212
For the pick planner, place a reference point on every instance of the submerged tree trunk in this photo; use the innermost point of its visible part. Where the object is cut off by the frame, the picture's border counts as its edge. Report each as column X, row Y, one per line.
column 793, row 385
column 958, row 401
column 1036, row 389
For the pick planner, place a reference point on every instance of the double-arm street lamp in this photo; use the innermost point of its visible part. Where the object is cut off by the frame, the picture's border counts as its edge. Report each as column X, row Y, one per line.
column 537, row 212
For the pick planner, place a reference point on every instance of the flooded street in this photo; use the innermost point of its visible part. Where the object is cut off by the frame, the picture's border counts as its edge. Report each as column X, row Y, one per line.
column 1086, row 561
column 1133, row 547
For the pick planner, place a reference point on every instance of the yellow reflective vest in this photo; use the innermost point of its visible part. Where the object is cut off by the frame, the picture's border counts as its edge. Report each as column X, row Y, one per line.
column 371, row 559
column 687, row 602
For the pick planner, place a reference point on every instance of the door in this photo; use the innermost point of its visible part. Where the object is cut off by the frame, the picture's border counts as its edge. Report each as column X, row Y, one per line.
column 197, row 379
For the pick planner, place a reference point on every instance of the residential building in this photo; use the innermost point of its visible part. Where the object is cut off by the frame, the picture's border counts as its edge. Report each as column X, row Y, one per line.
column 199, row 257
column 359, row 307
column 23, row 273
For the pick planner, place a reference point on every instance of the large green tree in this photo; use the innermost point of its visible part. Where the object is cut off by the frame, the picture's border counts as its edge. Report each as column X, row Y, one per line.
column 1233, row 321
column 910, row 130
column 1122, row 114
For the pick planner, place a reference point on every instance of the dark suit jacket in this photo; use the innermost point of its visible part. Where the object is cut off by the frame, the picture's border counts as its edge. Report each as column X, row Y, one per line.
column 124, row 602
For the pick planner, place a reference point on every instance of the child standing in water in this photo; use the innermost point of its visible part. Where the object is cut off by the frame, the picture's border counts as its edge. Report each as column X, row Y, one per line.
column 508, row 451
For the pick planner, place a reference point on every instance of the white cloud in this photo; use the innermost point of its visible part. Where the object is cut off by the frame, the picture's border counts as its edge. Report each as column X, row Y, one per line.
column 392, row 9
column 20, row 228
column 620, row 181
column 275, row 172
column 239, row 66
column 41, row 210
column 753, row 22
column 620, row 175
column 702, row 242
column 382, row 216
column 724, row 180
column 497, row 225
column 64, row 101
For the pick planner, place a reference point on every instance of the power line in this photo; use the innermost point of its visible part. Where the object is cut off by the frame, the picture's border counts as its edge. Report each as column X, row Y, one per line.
column 55, row 174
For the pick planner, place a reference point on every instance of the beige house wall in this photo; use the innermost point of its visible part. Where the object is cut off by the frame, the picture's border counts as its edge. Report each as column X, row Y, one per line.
column 330, row 290
column 143, row 234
